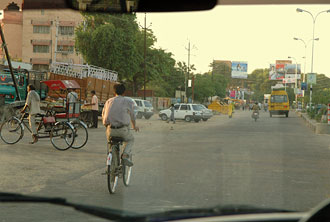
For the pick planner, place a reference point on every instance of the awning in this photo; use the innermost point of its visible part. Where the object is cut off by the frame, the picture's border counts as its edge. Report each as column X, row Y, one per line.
column 61, row 84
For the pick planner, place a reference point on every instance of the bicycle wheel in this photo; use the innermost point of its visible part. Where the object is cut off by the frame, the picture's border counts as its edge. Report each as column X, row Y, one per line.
column 112, row 172
column 81, row 134
column 11, row 131
column 127, row 171
column 62, row 135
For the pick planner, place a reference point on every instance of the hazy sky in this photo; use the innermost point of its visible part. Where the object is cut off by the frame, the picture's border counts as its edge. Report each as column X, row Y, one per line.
column 256, row 34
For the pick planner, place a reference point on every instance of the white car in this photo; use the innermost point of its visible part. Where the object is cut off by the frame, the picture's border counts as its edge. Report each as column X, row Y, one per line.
column 144, row 108
column 185, row 111
column 206, row 113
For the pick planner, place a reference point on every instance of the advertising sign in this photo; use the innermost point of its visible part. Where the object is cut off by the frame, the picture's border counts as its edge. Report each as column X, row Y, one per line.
column 289, row 80
column 290, row 71
column 272, row 72
column 311, row 78
column 303, row 86
column 280, row 71
column 239, row 70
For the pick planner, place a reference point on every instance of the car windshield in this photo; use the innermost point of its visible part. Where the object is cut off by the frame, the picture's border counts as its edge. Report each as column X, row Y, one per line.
column 228, row 59
column 279, row 99
column 147, row 104
column 197, row 107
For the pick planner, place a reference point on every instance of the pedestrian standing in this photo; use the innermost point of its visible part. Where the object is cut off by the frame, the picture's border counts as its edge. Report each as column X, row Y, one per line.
column 95, row 108
column 172, row 114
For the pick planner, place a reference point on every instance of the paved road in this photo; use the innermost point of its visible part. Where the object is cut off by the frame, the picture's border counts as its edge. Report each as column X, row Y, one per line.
column 274, row 162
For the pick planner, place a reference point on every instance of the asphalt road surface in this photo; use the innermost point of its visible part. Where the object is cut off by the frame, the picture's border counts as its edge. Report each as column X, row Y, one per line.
column 275, row 162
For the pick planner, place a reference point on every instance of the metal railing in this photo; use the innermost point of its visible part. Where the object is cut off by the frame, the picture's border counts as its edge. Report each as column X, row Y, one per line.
column 83, row 71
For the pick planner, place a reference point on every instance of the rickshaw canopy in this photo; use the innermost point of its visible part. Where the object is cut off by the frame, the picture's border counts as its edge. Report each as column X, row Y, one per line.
column 61, row 84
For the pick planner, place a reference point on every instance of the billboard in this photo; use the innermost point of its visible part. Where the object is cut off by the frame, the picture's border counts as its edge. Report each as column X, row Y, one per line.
column 272, row 72
column 239, row 70
column 311, row 78
column 283, row 69
column 290, row 71
column 289, row 80
column 280, row 71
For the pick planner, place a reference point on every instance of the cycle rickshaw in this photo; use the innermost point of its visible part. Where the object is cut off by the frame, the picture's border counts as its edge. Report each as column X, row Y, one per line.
column 64, row 128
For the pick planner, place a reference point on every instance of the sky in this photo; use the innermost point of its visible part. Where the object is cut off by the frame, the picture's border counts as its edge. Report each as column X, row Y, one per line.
column 259, row 35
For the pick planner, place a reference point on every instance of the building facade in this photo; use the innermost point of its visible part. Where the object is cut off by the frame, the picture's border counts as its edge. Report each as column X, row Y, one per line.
column 48, row 36
column 40, row 37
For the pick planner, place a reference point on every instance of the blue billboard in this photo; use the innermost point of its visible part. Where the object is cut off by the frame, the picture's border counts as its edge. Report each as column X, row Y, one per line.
column 239, row 70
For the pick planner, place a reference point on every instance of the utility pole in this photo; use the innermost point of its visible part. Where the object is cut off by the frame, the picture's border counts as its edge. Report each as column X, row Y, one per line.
column 145, row 55
column 187, row 75
column 192, row 89
column 9, row 63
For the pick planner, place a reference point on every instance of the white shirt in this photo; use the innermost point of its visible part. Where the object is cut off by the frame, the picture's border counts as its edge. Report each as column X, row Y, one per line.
column 95, row 100
column 72, row 97
column 33, row 101
column 118, row 111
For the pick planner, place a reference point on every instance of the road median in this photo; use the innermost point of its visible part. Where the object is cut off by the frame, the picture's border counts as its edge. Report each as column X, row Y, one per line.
column 318, row 128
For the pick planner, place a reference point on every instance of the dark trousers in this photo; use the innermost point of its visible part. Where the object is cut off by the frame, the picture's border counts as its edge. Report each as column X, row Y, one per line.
column 95, row 118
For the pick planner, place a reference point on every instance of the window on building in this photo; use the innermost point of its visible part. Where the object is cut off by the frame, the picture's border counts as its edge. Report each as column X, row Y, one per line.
column 66, row 30
column 40, row 67
column 65, row 48
column 41, row 29
column 41, row 48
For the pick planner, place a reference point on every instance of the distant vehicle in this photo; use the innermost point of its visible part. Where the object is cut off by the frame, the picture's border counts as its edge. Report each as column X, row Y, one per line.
column 144, row 109
column 206, row 113
column 187, row 112
column 279, row 103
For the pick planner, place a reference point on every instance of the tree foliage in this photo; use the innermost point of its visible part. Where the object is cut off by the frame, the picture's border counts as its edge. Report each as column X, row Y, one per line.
column 115, row 42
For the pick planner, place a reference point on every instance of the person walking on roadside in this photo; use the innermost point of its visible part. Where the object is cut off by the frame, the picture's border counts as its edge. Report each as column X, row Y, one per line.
column 172, row 114
column 117, row 114
column 33, row 102
column 95, row 109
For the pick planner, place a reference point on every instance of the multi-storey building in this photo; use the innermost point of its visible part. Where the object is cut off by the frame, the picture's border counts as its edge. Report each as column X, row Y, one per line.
column 40, row 37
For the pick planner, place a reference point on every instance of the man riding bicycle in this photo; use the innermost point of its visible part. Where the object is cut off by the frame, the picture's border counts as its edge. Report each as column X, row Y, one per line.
column 117, row 115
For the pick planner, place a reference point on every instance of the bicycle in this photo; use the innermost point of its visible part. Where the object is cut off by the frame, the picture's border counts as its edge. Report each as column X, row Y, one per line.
column 61, row 134
column 115, row 166
column 72, row 115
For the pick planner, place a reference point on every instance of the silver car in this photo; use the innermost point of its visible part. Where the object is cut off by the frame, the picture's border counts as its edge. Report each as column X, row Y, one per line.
column 206, row 113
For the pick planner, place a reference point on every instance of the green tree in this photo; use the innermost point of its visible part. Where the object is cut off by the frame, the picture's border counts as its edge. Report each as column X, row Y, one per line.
column 260, row 84
column 115, row 42
column 204, row 87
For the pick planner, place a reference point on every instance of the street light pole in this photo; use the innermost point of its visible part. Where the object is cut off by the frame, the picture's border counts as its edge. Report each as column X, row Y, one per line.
column 145, row 55
column 303, row 75
column 296, row 79
column 314, row 20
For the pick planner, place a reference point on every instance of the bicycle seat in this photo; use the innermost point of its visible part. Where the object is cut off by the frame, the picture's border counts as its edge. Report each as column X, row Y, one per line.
column 116, row 139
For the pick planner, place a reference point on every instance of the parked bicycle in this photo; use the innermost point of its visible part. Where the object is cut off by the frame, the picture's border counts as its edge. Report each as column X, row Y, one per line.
column 115, row 166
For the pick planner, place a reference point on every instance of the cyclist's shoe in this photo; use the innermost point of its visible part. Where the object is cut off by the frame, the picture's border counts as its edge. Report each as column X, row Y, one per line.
column 127, row 162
